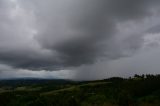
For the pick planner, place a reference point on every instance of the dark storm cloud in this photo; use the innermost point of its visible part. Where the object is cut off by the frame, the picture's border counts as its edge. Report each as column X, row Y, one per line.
column 54, row 34
column 95, row 23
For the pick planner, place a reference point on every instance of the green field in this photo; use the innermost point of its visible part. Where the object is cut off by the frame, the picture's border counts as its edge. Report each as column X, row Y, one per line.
column 136, row 91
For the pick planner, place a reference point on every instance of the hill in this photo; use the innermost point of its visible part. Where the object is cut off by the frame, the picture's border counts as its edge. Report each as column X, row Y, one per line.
column 141, row 90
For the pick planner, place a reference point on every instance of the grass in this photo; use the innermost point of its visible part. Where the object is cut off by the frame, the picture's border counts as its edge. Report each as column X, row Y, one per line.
column 75, row 87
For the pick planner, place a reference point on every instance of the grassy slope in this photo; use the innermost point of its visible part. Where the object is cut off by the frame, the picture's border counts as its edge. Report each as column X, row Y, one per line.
column 74, row 87
column 110, row 92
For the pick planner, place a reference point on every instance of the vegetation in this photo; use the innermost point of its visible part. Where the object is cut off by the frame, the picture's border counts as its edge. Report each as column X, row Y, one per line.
column 141, row 90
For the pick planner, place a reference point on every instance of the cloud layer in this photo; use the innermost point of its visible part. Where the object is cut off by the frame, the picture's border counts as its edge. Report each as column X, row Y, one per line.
column 57, row 35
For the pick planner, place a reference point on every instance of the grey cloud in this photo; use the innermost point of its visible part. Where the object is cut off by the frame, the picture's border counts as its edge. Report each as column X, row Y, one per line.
column 94, row 23
column 70, row 33
column 155, row 29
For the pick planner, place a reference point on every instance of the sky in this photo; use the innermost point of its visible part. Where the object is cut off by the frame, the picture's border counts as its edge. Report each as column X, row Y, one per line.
column 79, row 39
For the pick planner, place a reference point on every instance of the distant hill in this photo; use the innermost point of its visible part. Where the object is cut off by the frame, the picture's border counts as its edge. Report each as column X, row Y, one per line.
column 31, row 81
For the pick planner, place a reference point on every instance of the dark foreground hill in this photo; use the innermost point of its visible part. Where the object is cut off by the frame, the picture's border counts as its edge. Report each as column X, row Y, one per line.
column 137, row 91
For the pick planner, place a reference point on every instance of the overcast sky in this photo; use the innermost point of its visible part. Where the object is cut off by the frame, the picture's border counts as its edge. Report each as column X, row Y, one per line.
column 79, row 39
